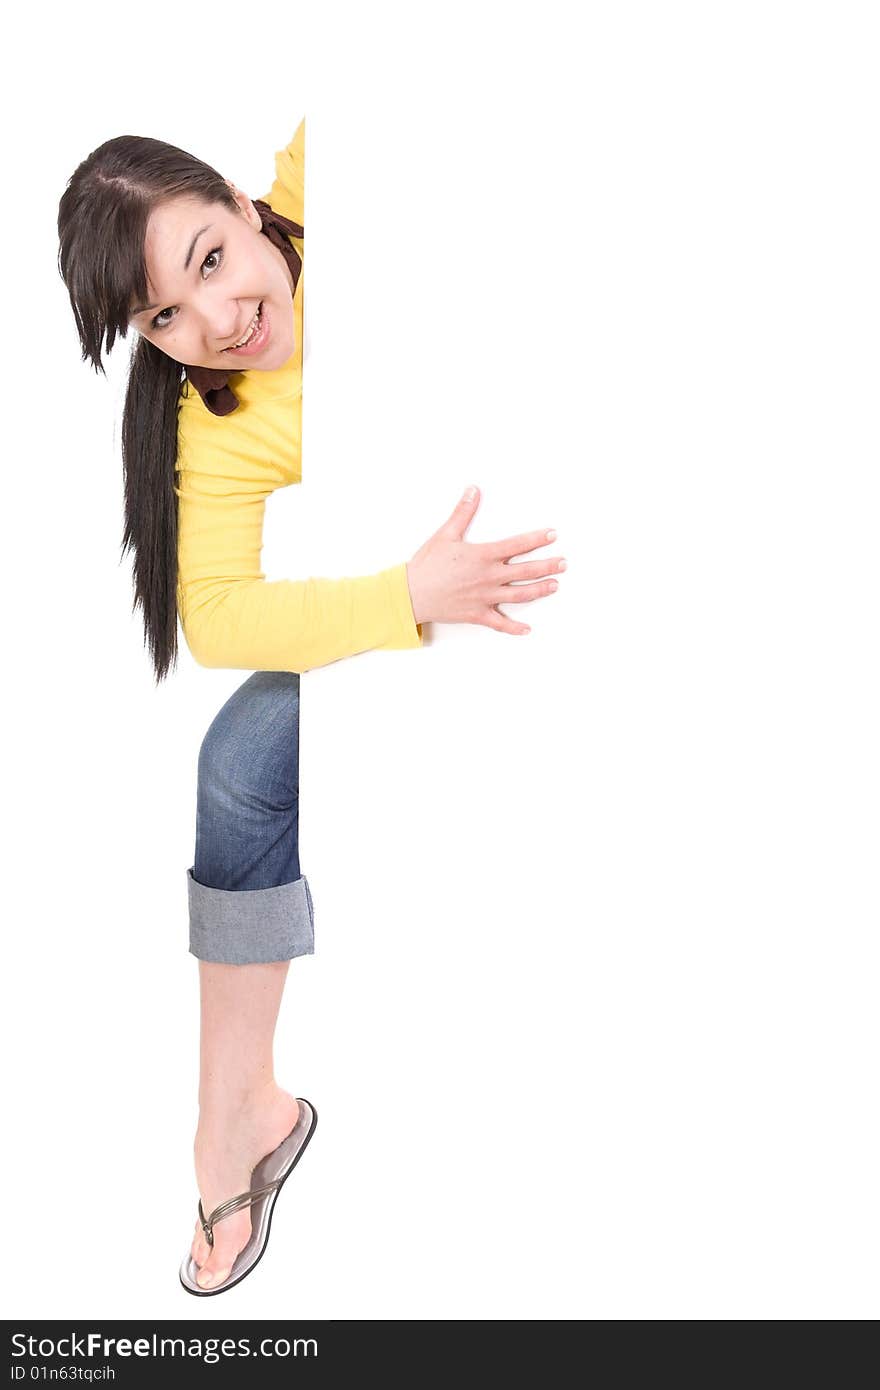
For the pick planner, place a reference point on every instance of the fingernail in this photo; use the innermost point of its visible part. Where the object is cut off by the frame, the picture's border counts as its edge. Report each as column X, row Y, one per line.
column 551, row 535
column 470, row 493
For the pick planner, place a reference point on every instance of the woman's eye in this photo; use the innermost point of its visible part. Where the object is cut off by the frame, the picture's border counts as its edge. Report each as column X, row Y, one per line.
column 155, row 324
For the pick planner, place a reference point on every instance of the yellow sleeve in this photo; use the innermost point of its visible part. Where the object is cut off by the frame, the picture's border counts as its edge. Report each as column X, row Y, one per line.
column 233, row 617
column 287, row 194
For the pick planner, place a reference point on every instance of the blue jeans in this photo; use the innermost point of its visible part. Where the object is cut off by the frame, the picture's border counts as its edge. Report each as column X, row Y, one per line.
column 248, row 901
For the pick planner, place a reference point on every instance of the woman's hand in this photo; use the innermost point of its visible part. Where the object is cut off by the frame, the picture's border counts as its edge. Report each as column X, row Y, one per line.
column 452, row 580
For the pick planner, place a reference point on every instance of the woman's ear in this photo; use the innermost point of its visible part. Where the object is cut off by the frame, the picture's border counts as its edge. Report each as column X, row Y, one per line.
column 246, row 207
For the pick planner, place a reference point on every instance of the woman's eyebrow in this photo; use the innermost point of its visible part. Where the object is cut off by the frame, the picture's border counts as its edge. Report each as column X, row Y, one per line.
column 145, row 308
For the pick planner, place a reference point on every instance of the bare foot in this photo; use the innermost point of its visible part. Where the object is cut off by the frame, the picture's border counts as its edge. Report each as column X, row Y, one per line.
column 229, row 1143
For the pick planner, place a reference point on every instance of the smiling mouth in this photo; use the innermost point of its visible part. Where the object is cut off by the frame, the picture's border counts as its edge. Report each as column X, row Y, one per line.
column 252, row 331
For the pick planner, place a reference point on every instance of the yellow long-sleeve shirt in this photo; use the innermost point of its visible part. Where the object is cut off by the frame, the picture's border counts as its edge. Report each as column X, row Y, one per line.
column 229, row 464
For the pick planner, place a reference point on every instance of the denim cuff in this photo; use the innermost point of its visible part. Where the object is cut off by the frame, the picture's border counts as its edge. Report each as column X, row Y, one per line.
column 251, row 925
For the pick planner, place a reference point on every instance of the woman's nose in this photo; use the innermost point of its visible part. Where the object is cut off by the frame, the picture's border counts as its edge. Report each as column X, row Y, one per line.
column 222, row 325
column 221, row 336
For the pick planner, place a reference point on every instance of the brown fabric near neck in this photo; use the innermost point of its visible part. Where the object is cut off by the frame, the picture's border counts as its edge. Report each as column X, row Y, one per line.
column 212, row 383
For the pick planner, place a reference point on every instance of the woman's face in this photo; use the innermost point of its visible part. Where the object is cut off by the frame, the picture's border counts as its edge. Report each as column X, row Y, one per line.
column 209, row 270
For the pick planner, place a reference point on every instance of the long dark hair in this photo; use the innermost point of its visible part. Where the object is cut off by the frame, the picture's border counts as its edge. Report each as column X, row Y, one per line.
column 102, row 222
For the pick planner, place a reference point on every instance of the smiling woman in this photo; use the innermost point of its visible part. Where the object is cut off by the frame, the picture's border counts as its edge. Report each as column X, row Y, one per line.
column 133, row 224
column 211, row 283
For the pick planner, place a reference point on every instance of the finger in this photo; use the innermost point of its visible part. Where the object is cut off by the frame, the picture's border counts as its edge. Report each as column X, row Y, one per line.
column 462, row 516
column 524, row 593
column 507, row 571
column 518, row 545
column 501, row 623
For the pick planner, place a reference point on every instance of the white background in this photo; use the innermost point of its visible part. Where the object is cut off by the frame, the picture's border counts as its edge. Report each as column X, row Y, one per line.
column 591, row 1023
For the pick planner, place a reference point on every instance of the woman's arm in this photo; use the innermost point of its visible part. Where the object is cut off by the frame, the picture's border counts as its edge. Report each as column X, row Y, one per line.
column 233, row 617
column 287, row 194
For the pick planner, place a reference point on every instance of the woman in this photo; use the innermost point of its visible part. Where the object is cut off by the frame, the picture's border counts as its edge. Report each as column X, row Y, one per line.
column 153, row 239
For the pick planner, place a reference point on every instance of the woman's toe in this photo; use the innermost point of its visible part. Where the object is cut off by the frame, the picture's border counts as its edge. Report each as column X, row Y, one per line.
column 200, row 1249
column 208, row 1277
column 228, row 1243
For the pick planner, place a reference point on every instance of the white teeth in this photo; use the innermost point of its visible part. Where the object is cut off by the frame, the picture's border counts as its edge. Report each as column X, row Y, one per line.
column 250, row 333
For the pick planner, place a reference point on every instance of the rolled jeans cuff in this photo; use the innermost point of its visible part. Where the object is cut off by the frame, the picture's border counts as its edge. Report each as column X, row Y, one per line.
column 251, row 925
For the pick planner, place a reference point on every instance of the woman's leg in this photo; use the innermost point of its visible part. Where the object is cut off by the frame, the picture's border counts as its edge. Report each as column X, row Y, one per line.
column 250, row 914
column 243, row 1112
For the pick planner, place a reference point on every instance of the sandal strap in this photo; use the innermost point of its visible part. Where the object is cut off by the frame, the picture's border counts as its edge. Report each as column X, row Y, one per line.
column 234, row 1204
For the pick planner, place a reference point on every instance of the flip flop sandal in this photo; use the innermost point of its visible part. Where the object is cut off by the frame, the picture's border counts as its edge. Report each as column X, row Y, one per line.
column 267, row 1180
